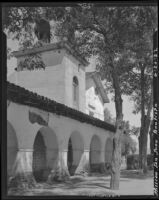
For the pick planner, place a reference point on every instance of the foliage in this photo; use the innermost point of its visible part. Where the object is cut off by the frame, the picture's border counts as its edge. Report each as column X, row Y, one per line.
column 133, row 162
column 9, row 53
column 135, row 130
column 32, row 61
column 128, row 144
column 97, row 30
column 107, row 115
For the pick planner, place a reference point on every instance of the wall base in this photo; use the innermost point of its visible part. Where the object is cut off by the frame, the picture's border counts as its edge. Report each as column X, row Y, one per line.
column 22, row 181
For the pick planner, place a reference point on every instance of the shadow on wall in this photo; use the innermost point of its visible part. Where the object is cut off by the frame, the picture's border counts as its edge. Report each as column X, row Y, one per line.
column 95, row 154
column 12, row 149
column 75, row 151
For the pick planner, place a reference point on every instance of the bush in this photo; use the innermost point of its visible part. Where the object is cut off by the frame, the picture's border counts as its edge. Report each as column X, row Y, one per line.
column 133, row 161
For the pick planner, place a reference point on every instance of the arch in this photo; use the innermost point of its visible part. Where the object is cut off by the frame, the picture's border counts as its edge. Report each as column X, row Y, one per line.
column 75, row 80
column 75, row 91
column 95, row 154
column 45, row 153
column 108, row 152
column 75, row 151
column 12, row 148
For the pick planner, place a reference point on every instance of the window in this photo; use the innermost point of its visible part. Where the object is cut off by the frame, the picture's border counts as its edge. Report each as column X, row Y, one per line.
column 75, row 90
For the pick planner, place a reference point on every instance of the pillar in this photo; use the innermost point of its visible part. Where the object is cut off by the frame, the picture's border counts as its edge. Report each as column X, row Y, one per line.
column 22, row 170
column 60, row 171
column 83, row 167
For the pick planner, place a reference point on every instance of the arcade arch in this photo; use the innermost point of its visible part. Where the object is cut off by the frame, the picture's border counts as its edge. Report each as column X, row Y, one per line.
column 45, row 153
column 95, row 154
column 75, row 151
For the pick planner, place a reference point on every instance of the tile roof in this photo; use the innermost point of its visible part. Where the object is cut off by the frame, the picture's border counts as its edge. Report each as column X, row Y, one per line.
column 23, row 96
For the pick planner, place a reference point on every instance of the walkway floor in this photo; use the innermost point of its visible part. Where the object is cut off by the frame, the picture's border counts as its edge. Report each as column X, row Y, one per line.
column 131, row 183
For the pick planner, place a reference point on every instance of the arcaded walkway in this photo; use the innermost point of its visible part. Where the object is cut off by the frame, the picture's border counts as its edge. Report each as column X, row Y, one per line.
column 132, row 183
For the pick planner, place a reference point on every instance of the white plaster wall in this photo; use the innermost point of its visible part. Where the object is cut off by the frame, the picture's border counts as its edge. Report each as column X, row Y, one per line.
column 12, row 148
column 18, row 116
column 94, row 100
column 71, row 70
column 61, row 126
column 51, row 143
column 55, row 82
column 95, row 149
column 50, row 57
column 49, row 82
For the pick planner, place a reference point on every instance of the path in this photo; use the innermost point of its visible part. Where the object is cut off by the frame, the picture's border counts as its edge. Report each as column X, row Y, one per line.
column 131, row 183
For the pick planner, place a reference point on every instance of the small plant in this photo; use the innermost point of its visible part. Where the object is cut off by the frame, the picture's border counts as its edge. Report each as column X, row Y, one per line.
column 32, row 62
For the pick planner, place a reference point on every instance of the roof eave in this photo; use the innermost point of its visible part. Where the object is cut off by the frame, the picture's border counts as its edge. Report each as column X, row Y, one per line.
column 101, row 88
column 54, row 46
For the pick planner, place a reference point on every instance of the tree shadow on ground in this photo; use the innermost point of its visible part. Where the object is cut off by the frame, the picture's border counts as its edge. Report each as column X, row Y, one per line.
column 96, row 185
column 79, row 185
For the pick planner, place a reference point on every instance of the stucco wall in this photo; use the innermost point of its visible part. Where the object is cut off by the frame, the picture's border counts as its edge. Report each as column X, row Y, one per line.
column 48, row 82
column 12, row 148
column 72, row 68
column 92, row 99
column 62, row 127
column 56, row 81
column 59, row 127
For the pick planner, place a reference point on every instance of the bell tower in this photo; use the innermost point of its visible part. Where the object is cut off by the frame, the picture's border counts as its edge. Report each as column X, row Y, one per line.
column 62, row 79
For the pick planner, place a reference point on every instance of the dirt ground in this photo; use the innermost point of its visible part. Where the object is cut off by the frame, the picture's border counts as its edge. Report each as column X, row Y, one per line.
column 131, row 183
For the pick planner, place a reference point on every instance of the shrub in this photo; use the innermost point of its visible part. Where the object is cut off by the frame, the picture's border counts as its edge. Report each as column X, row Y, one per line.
column 133, row 161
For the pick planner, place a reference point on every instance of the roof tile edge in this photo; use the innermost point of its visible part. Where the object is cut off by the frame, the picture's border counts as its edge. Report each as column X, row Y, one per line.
column 18, row 94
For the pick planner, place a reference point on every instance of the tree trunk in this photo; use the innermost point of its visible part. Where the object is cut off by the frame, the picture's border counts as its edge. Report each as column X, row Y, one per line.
column 143, row 144
column 143, row 150
column 142, row 138
column 151, row 137
column 145, row 123
column 116, row 158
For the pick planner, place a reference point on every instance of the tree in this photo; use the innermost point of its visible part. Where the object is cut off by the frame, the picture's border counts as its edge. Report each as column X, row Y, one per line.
column 108, row 33
column 98, row 31
column 141, row 81
column 128, row 144
column 151, row 137
column 120, row 38
column 107, row 116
